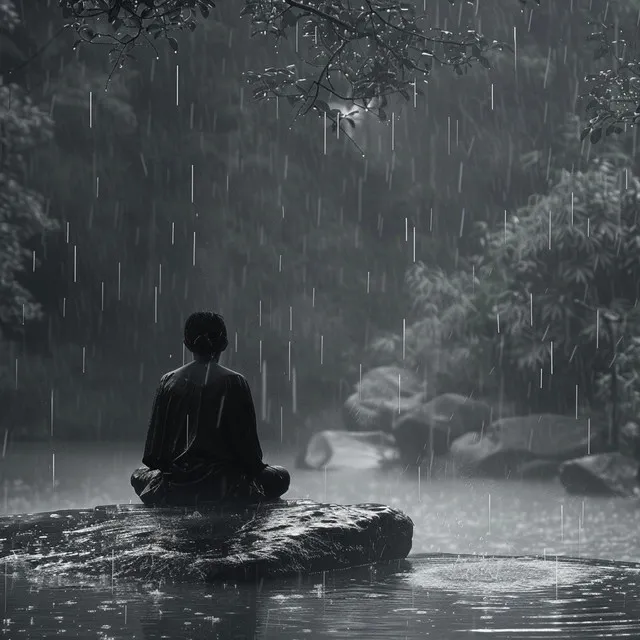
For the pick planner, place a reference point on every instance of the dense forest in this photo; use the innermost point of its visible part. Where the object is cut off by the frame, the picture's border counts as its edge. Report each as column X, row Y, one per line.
column 473, row 235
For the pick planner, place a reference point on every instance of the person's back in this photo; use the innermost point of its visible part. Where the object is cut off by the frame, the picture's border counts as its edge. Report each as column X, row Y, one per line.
column 202, row 442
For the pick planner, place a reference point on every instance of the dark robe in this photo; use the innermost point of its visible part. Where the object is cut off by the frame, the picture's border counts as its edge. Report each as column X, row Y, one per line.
column 202, row 434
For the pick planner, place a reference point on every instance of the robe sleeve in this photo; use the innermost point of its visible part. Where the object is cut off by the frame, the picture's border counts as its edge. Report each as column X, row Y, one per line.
column 152, row 448
column 240, row 423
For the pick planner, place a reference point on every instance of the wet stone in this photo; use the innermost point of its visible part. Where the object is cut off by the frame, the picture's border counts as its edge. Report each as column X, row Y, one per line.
column 213, row 542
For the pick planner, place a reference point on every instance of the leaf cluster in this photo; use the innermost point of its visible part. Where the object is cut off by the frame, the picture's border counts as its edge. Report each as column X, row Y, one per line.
column 613, row 100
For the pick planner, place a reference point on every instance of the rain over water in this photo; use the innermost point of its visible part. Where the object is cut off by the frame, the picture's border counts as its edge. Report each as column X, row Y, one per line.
column 419, row 224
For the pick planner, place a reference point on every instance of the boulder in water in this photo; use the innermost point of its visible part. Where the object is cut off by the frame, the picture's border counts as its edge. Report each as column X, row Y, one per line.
column 349, row 450
column 432, row 426
column 630, row 440
column 379, row 399
column 205, row 544
column 605, row 474
column 511, row 444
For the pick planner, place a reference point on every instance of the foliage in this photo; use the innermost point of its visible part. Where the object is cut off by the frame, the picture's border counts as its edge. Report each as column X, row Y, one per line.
column 354, row 53
column 573, row 256
column 8, row 15
column 23, row 127
column 537, row 300
column 628, row 379
column 362, row 54
column 441, row 339
column 614, row 91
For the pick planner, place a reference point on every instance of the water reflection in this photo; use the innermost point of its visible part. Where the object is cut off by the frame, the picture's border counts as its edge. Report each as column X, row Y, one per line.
column 442, row 597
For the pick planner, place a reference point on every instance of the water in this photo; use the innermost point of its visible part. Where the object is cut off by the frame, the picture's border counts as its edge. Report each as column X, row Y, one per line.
column 441, row 598
column 426, row 597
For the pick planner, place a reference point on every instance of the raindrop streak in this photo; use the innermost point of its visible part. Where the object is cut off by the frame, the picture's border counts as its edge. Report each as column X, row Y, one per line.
column 51, row 413
column 194, row 248
column 53, row 470
column 177, row 84
column 393, row 131
column 325, row 133
column 84, row 359
column 325, row 482
column 404, row 340
column 321, row 349
column 572, row 199
column 263, row 399
column 90, row 109
column 191, row 184
column 75, row 263
column 576, row 402
column 119, row 279
column 294, row 393
column 399, row 394
column 588, row 444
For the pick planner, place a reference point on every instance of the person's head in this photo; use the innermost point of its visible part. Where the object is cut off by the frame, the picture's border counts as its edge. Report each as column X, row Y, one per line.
column 205, row 334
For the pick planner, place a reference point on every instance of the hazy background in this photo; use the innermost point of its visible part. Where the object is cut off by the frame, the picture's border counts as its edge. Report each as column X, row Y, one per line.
column 172, row 192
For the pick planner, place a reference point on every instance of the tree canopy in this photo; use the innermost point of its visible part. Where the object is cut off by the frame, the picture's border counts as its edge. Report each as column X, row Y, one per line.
column 360, row 53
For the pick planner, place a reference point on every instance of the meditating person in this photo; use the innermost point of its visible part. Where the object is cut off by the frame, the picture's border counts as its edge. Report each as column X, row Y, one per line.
column 202, row 444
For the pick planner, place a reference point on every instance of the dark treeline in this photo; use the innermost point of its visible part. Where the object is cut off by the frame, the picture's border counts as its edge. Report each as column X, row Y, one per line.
column 172, row 191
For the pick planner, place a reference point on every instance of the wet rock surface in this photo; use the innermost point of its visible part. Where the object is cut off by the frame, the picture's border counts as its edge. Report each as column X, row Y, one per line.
column 349, row 450
column 434, row 425
column 605, row 474
column 382, row 395
column 206, row 544
column 511, row 445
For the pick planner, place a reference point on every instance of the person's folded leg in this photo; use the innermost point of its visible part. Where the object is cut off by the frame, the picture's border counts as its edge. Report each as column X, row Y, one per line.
column 148, row 485
column 274, row 481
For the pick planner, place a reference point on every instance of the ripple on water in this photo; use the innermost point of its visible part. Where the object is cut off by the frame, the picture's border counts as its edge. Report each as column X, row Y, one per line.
column 499, row 575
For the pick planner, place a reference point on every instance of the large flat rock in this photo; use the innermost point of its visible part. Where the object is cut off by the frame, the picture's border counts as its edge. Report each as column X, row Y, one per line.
column 211, row 543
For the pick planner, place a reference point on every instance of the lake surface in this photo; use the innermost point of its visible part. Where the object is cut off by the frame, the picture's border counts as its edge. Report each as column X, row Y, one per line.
column 427, row 597
column 441, row 598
